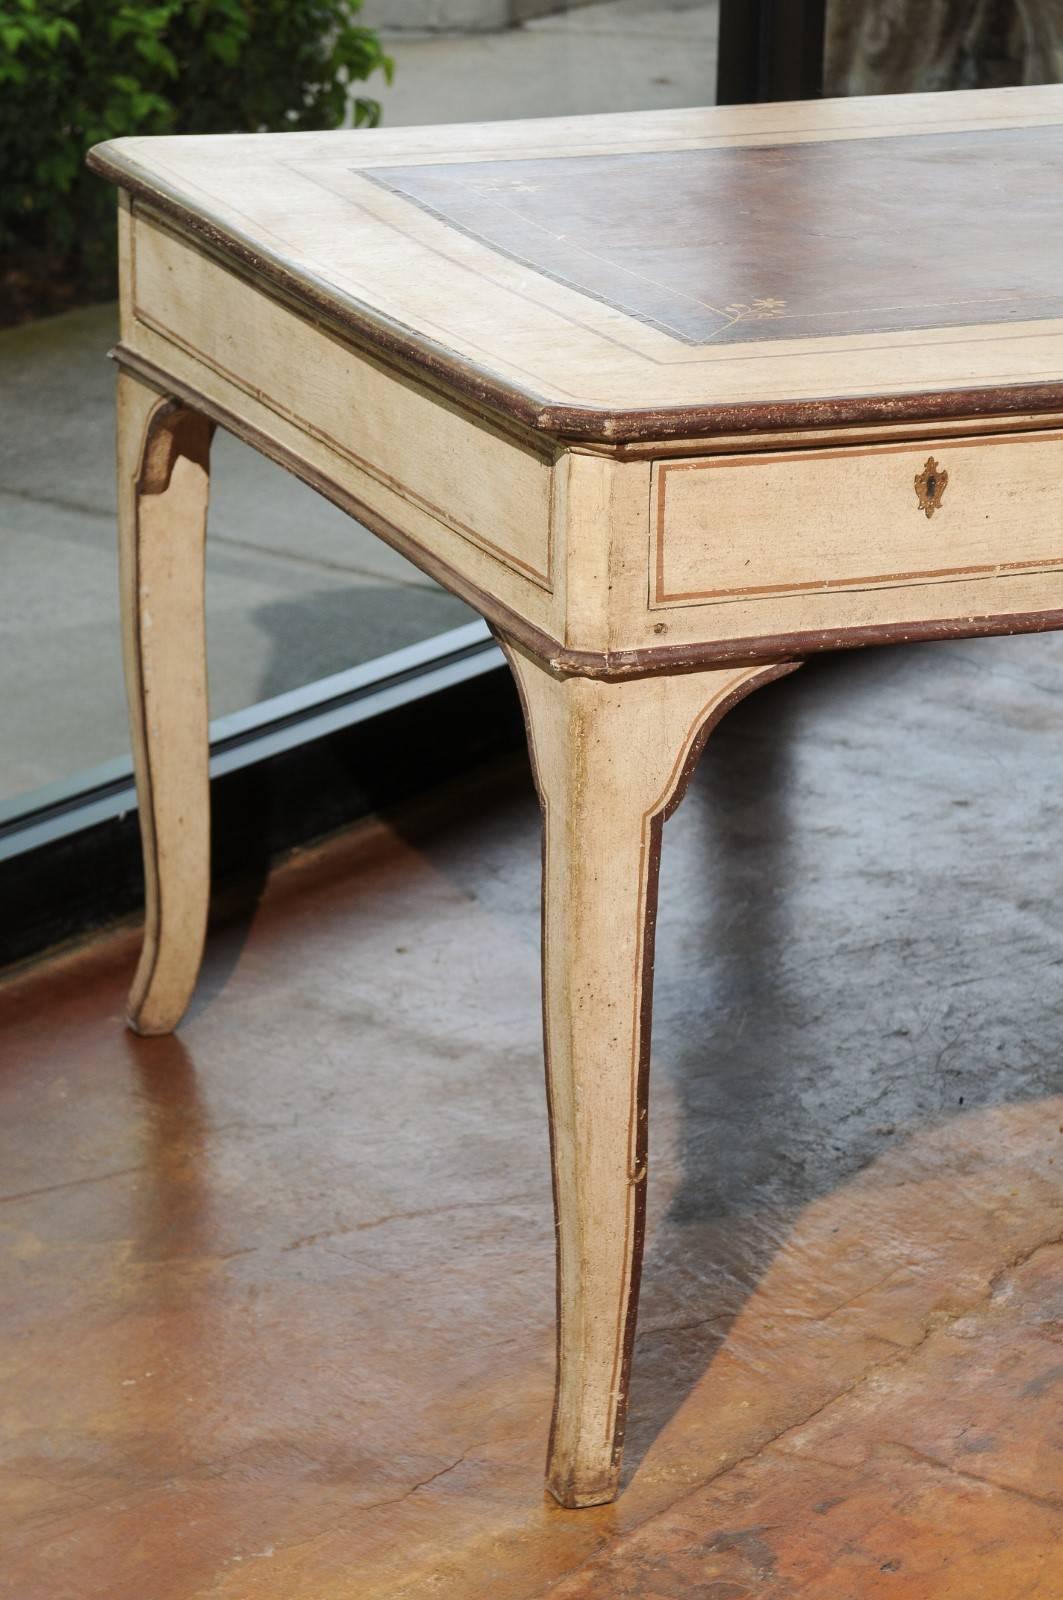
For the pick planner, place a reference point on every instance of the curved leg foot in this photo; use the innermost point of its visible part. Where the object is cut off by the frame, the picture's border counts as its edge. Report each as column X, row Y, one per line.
column 163, row 474
column 611, row 761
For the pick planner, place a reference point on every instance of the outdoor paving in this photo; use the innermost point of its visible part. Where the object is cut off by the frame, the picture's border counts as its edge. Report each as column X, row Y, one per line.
column 626, row 56
column 295, row 591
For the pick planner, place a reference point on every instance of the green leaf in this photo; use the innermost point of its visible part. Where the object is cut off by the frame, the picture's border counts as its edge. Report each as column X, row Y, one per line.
column 73, row 72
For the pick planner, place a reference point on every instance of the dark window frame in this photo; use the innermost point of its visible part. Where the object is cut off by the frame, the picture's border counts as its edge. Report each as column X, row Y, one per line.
column 770, row 50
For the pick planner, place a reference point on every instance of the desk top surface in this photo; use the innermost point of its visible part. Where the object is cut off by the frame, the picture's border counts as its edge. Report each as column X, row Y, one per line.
column 668, row 274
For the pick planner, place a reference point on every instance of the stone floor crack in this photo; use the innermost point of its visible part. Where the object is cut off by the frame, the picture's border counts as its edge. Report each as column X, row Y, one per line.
column 405, row 1216
column 71, row 1183
column 858, row 1294
column 937, row 1322
column 1051, row 1502
column 375, row 1505
column 681, row 1327
column 1020, row 1260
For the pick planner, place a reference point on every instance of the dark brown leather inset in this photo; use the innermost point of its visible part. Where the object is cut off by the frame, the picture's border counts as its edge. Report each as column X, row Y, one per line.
column 758, row 242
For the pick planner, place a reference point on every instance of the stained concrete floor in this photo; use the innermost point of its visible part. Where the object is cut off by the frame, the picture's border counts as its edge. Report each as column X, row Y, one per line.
column 278, row 1292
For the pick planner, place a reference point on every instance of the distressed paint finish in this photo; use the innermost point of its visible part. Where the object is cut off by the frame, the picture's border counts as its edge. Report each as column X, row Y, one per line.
column 163, row 474
column 603, row 813
column 360, row 308
column 305, row 215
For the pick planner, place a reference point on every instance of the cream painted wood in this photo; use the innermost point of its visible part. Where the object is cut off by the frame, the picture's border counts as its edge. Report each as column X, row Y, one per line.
column 781, row 523
column 377, row 443
column 302, row 203
column 654, row 525
column 485, row 582
column 610, row 760
column 490, row 487
column 163, row 484
column 994, row 548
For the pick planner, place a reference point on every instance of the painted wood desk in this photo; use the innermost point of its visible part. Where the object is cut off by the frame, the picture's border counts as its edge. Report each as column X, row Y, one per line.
column 672, row 399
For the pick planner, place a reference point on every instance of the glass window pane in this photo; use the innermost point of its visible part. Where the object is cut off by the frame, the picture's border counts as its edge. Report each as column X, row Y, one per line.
column 295, row 590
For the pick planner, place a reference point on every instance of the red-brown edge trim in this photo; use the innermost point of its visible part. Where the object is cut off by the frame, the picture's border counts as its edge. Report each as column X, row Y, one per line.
column 615, row 665
column 539, row 449
column 586, row 423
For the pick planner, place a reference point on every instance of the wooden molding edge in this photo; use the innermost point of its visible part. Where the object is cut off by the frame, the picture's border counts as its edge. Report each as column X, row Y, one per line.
column 538, row 643
column 587, row 424
column 766, row 648
column 614, row 665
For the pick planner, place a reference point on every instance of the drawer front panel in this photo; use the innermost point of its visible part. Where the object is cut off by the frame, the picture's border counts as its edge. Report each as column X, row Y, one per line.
column 486, row 486
column 743, row 528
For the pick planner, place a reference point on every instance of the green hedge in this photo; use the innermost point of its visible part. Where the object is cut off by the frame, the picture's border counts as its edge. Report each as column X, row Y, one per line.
column 73, row 72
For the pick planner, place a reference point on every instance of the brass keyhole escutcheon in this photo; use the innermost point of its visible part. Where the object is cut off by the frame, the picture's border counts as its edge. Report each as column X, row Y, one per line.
column 930, row 486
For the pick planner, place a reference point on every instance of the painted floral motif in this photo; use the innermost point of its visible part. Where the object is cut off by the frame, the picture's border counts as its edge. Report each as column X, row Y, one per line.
column 756, row 310
column 763, row 309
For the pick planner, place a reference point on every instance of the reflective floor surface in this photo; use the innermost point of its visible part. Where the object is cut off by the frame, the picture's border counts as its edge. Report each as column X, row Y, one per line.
column 277, row 1301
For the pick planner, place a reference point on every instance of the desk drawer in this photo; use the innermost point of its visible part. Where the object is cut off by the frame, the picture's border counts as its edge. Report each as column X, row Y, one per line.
column 743, row 528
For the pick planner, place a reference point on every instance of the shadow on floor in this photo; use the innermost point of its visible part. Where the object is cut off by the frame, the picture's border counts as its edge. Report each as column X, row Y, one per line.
column 861, row 843
column 834, row 969
column 311, row 637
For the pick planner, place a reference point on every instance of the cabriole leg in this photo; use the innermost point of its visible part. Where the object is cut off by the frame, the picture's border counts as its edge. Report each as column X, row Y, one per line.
column 163, row 475
column 611, row 761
